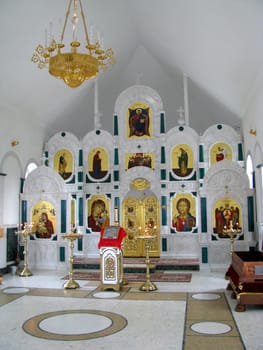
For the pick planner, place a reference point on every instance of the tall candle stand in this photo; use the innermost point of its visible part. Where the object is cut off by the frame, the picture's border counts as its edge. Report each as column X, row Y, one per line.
column 232, row 232
column 148, row 285
column 71, row 237
column 25, row 231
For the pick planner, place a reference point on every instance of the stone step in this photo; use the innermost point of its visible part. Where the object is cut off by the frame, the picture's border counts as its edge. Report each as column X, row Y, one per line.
column 137, row 265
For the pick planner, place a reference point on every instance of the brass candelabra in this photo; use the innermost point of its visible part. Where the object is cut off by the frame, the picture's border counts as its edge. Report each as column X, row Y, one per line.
column 71, row 237
column 232, row 232
column 148, row 236
column 25, row 231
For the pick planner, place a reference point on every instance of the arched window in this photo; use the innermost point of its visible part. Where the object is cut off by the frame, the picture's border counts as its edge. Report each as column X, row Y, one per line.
column 31, row 166
column 250, row 171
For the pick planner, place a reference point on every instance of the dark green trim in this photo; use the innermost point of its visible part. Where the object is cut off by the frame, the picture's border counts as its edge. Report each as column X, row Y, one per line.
column 163, row 174
column 204, row 214
column 115, row 127
column 164, row 210
column 250, row 213
column 116, row 156
column 80, row 157
column 240, row 152
column 80, row 213
column 62, row 256
column 63, row 223
column 201, row 153
column 164, row 244
column 163, row 160
column 204, row 255
column 162, row 123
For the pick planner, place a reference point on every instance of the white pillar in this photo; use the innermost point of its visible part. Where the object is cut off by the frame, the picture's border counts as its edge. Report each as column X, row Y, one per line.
column 97, row 115
column 186, row 105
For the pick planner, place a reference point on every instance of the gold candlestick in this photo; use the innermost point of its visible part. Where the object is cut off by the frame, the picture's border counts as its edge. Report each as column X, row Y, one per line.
column 232, row 233
column 25, row 231
column 71, row 237
column 149, row 231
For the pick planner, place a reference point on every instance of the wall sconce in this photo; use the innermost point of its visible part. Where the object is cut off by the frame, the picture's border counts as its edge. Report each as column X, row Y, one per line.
column 14, row 143
column 253, row 132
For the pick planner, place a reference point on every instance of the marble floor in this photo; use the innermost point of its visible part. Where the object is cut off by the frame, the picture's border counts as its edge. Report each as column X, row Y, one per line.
column 37, row 313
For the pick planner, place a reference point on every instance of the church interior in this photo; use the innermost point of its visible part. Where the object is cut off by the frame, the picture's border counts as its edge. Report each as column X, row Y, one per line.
column 131, row 207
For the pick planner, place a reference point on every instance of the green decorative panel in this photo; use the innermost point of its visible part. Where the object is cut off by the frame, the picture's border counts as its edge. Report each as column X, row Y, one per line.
column 80, row 244
column 201, row 153
column 250, row 213
column 24, row 211
column 11, row 244
column 204, row 255
column 164, row 210
column 163, row 155
column 63, row 216
column 116, row 175
column 203, row 214
column 164, row 244
column 240, row 152
column 116, row 127
column 162, row 123
column 201, row 173
column 80, row 157
column 80, row 212
column 62, row 254
column 80, row 176
column 116, row 156
column 163, row 174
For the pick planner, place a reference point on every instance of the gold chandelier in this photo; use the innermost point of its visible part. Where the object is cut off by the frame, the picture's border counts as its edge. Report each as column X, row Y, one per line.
column 74, row 67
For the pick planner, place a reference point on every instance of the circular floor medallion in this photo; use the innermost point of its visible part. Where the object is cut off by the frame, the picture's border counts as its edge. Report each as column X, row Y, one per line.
column 210, row 327
column 48, row 325
column 16, row 290
column 106, row 295
column 206, row 296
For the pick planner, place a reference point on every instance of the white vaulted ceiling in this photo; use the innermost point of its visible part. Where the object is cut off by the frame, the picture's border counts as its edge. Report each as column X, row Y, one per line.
column 217, row 44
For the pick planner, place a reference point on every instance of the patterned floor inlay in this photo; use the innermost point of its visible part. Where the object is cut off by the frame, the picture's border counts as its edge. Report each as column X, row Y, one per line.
column 75, row 324
column 209, row 323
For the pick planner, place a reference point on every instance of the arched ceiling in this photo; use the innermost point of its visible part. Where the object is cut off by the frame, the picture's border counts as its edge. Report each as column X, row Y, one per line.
column 217, row 44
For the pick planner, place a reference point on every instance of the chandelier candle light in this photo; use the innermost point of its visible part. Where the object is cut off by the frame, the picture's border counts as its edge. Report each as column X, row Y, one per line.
column 74, row 67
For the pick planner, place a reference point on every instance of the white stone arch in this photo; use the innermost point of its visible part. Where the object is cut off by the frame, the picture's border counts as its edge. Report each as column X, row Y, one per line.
column 226, row 179
column 220, row 133
column 64, row 140
column 138, row 93
column 10, row 185
column 98, row 139
column 182, row 135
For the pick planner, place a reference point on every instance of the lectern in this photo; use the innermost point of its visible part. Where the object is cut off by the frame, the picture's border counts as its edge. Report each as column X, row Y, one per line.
column 111, row 258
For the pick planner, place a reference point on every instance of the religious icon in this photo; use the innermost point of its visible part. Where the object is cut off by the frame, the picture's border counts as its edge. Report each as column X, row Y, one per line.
column 182, row 160
column 183, row 220
column 98, row 163
column 44, row 219
column 227, row 213
column 98, row 217
column 63, row 163
column 139, row 120
column 139, row 159
column 220, row 151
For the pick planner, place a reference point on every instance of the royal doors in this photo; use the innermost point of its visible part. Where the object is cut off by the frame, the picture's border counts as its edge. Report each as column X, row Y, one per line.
column 140, row 217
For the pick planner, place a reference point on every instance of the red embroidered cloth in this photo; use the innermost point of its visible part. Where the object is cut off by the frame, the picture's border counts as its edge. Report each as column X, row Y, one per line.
column 111, row 236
